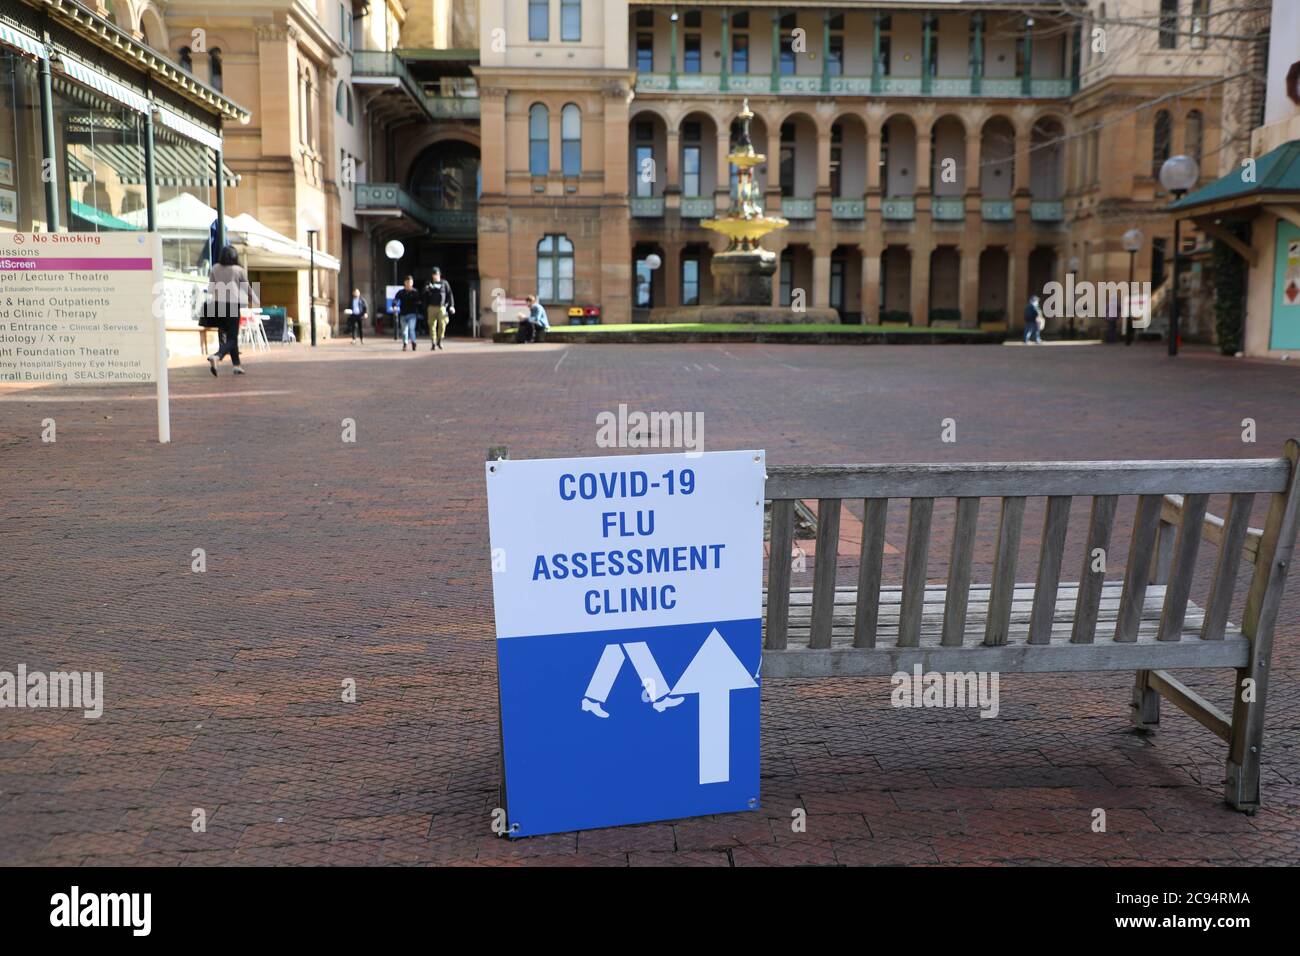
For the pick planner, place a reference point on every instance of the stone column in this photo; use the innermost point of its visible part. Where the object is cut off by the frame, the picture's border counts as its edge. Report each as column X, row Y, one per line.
column 672, row 270
column 673, row 161
column 970, row 284
column 823, row 160
column 821, row 290
column 722, row 171
column 920, row 304
column 870, row 282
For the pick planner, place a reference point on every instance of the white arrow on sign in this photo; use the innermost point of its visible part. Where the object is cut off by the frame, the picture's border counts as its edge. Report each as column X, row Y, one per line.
column 714, row 673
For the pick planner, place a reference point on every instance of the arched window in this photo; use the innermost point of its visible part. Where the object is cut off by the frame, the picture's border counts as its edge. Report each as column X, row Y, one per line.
column 338, row 99
column 187, row 60
column 1160, row 140
column 348, row 92
column 571, row 140
column 539, row 140
column 343, row 101
column 216, row 73
column 1194, row 134
column 555, row 269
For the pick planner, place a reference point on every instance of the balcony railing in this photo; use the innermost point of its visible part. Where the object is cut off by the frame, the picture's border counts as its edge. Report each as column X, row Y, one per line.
column 948, row 210
column 900, row 208
column 390, row 197
column 697, row 207
column 940, row 87
column 848, row 209
column 1047, row 210
column 997, row 210
column 792, row 208
column 381, row 63
column 453, row 107
column 647, row 207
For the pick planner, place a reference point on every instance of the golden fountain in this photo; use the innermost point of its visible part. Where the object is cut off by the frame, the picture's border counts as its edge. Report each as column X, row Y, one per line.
column 744, row 224
column 743, row 272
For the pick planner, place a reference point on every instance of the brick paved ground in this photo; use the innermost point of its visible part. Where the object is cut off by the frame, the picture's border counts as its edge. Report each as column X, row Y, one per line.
column 329, row 561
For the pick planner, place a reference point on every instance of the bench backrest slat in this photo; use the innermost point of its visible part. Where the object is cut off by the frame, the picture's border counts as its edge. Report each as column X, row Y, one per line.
column 828, row 542
column 1235, row 525
column 959, row 566
column 1093, row 576
column 1002, row 479
column 778, row 573
column 1006, row 554
column 914, row 565
column 1050, row 556
column 866, row 615
column 1136, row 575
column 1179, row 589
column 1165, row 542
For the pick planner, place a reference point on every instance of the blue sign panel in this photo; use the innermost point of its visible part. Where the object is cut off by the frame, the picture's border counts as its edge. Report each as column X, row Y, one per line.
column 628, row 637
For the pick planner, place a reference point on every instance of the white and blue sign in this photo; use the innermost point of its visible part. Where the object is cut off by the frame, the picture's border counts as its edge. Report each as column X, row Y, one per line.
column 628, row 616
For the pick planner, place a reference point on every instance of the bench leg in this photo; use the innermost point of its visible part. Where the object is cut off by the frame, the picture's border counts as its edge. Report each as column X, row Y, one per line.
column 1241, row 778
column 1145, row 709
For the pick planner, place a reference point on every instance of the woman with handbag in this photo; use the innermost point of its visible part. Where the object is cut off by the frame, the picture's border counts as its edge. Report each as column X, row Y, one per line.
column 228, row 291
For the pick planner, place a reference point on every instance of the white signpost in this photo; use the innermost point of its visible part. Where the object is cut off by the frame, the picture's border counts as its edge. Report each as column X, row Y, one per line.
column 84, row 308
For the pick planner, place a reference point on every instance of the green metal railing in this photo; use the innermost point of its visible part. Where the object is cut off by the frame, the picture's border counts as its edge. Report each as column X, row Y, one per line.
column 458, row 222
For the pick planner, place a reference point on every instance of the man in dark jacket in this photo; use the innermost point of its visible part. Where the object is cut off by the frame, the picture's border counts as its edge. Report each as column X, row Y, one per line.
column 357, row 312
column 439, row 306
column 407, row 306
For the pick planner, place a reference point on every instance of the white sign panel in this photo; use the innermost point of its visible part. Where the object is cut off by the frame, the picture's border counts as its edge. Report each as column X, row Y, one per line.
column 628, row 610
column 82, row 308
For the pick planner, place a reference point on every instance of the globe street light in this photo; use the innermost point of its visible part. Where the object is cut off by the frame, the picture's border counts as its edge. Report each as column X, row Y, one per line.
column 1178, row 174
column 394, row 250
column 1132, row 244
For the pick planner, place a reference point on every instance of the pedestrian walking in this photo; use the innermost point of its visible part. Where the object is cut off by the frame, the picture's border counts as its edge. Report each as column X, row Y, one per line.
column 532, row 323
column 407, row 306
column 228, row 291
column 1034, row 322
column 439, row 306
column 357, row 317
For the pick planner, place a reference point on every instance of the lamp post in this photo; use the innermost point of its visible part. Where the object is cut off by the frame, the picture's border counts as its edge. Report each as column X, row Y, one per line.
column 394, row 250
column 1178, row 174
column 311, row 282
column 1132, row 243
column 1073, row 266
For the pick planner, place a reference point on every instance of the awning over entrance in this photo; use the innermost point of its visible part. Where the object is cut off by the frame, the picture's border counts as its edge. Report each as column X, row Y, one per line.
column 98, row 218
column 182, row 217
column 1274, row 188
column 264, row 248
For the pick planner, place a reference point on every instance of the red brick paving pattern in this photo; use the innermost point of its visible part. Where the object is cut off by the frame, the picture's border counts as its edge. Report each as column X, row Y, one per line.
column 329, row 561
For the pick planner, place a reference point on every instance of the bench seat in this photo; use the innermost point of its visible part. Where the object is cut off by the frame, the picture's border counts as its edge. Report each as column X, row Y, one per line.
column 887, row 658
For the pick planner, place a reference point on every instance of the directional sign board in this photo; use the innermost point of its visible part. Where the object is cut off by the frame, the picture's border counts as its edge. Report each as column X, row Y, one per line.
column 628, row 617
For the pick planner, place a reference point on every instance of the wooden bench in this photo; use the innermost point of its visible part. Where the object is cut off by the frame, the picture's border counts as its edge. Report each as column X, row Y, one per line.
column 1143, row 621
